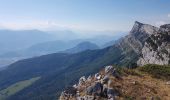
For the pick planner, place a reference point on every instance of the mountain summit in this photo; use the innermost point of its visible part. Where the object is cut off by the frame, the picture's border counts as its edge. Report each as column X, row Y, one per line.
column 136, row 38
column 139, row 28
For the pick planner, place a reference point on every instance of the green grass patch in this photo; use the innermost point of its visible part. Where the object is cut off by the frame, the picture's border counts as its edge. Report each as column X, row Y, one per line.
column 123, row 71
column 11, row 90
column 157, row 71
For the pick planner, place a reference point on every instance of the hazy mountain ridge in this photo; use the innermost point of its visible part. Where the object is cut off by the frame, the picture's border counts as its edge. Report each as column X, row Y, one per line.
column 25, row 38
column 82, row 47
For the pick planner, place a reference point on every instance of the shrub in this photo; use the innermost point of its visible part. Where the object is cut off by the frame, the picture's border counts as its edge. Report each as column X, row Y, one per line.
column 157, row 71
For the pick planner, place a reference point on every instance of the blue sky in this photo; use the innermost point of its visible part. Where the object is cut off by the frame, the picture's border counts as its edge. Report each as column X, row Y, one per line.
column 82, row 15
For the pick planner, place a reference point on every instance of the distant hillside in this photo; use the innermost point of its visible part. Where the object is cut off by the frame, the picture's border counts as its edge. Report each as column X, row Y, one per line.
column 54, row 68
column 83, row 46
column 14, row 88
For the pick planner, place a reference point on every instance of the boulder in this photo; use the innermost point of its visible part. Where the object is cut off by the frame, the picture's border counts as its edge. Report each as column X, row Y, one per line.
column 105, row 79
column 108, row 69
column 89, row 98
column 82, row 80
column 98, row 76
column 89, row 78
column 104, row 92
column 168, row 83
column 111, row 93
column 96, row 89
column 75, row 85
column 70, row 91
column 89, row 90
column 109, row 84
column 115, row 73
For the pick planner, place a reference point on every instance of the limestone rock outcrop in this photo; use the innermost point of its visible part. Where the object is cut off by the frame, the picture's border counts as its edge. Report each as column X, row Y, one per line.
column 157, row 48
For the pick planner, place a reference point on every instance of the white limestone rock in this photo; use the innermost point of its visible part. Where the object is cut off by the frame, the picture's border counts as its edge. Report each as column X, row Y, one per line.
column 157, row 48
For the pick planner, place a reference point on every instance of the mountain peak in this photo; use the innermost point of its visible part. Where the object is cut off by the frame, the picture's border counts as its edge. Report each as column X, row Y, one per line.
column 138, row 23
column 136, row 27
column 139, row 28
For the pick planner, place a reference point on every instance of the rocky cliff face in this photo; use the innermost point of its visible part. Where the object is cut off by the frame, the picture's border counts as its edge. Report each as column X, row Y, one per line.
column 156, row 49
column 132, row 44
column 150, row 43
column 136, row 38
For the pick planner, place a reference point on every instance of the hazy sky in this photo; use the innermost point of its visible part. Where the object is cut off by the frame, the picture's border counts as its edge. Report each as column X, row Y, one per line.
column 82, row 15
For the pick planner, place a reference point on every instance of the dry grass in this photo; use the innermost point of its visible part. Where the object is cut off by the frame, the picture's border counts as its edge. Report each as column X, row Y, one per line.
column 142, row 88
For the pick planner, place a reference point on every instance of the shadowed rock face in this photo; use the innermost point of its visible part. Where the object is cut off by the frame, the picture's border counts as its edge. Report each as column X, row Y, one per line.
column 157, row 48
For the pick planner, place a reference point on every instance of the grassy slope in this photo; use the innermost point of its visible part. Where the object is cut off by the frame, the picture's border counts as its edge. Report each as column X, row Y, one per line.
column 16, row 87
column 150, row 82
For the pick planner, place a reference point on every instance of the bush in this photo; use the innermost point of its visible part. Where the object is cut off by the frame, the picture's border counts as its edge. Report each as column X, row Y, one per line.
column 157, row 71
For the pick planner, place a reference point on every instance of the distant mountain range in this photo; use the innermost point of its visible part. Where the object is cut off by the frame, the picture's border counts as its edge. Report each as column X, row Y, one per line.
column 60, row 69
column 14, row 40
column 16, row 45
column 45, row 48
column 11, row 41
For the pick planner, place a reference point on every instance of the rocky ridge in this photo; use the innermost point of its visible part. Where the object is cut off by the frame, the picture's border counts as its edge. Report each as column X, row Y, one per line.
column 111, row 84
column 137, row 36
column 151, row 44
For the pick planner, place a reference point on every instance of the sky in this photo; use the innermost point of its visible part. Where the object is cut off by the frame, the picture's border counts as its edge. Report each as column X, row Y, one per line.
column 82, row 15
